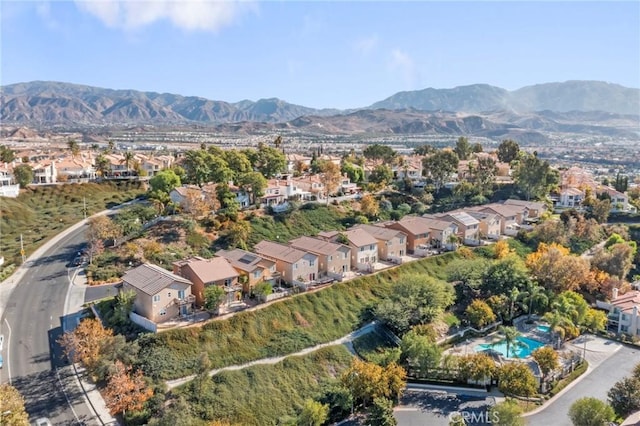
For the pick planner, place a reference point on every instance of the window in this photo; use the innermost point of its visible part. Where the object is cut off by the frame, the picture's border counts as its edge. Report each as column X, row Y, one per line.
column 180, row 294
column 256, row 274
column 312, row 262
column 228, row 281
column 330, row 258
column 156, row 298
column 169, row 294
column 295, row 266
column 361, row 248
column 402, row 240
column 371, row 247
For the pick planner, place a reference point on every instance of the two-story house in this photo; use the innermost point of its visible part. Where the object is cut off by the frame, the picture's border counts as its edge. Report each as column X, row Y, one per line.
column 624, row 312
column 160, row 295
column 295, row 266
column 489, row 224
column 468, row 226
column 255, row 268
column 364, row 247
column 533, row 209
column 417, row 231
column 392, row 243
column 442, row 233
column 334, row 259
column 207, row 272
column 510, row 218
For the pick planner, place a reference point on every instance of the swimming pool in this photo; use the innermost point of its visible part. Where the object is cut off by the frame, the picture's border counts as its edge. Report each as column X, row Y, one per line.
column 515, row 351
column 543, row 328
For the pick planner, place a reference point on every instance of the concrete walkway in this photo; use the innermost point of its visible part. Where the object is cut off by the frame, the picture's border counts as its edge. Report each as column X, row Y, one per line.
column 345, row 340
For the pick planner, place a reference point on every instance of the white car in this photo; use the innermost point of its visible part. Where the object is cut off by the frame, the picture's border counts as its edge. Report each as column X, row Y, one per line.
column 43, row 421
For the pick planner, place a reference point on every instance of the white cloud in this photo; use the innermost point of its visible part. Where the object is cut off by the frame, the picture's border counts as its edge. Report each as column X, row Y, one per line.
column 192, row 15
column 43, row 9
column 404, row 65
column 365, row 45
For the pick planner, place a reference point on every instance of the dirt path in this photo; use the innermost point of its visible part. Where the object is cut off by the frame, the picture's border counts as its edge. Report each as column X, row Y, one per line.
column 345, row 340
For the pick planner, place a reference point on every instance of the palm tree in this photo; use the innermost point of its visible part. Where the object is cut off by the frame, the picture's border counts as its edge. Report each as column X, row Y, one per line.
column 514, row 295
column 511, row 335
column 533, row 294
column 128, row 156
column 73, row 147
column 557, row 323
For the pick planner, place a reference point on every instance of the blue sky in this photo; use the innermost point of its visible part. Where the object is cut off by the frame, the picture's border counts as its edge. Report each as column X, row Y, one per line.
column 317, row 54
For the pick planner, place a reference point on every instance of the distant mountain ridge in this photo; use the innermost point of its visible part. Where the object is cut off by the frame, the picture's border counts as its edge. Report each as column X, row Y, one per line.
column 594, row 105
column 559, row 97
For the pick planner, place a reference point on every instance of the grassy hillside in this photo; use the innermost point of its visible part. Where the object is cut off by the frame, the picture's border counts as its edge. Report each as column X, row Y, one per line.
column 279, row 329
column 265, row 394
column 42, row 212
column 306, row 221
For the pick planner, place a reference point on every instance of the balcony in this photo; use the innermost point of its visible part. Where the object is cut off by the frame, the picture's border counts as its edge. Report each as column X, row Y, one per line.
column 187, row 300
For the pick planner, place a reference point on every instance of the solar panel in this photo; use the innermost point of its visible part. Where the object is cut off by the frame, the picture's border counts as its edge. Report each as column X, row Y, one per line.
column 247, row 259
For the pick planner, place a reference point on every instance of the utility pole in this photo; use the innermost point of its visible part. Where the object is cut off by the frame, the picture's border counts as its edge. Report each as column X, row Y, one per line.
column 22, row 253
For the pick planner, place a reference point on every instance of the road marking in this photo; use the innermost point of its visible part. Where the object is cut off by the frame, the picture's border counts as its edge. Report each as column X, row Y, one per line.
column 66, row 397
column 8, row 351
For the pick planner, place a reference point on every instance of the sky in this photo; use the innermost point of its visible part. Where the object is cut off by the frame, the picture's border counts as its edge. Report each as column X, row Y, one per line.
column 320, row 54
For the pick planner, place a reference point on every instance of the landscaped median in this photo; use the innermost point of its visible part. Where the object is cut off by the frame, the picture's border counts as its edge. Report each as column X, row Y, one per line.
column 279, row 329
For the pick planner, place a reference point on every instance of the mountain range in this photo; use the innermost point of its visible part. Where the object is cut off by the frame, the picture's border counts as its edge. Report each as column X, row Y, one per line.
column 589, row 107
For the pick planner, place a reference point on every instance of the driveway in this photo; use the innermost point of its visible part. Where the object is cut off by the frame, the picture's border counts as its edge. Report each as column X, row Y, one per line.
column 596, row 384
column 435, row 408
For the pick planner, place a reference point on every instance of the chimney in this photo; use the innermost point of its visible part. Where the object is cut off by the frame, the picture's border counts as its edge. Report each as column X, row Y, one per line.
column 614, row 293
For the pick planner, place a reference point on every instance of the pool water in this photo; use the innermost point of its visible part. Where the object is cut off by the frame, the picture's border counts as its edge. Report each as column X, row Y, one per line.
column 543, row 328
column 515, row 351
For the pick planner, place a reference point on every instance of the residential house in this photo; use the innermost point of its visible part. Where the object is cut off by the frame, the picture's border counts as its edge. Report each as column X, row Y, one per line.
column 533, row 210
column 297, row 161
column 569, row 198
column 364, row 247
column 334, row 259
column 441, row 233
column 392, row 243
column 152, row 164
column 207, row 272
column 255, row 268
column 7, row 187
column 624, row 312
column 468, row 226
column 510, row 218
column 619, row 200
column 160, row 295
column 45, row 172
column 295, row 266
column 417, row 230
column 489, row 224
column 77, row 169
column 348, row 187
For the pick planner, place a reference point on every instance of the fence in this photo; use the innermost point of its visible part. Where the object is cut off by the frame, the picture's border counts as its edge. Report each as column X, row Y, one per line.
column 143, row 322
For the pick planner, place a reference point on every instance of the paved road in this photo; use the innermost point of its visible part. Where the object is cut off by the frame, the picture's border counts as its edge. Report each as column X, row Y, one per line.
column 32, row 323
column 596, row 384
column 434, row 408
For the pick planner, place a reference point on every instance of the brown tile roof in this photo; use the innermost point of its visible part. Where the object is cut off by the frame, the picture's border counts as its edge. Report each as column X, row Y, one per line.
column 210, row 270
column 151, row 279
column 244, row 260
column 381, row 233
column 500, row 209
column 360, row 238
column 316, row 245
column 437, row 223
column 627, row 301
column 415, row 225
column 528, row 204
column 279, row 251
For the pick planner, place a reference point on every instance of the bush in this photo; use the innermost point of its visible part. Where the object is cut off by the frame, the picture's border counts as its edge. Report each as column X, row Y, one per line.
column 561, row 384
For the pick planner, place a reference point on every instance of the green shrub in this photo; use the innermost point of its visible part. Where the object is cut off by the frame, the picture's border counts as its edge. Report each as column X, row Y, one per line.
column 561, row 384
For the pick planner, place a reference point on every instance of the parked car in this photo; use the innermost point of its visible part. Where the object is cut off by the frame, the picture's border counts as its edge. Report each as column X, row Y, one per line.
column 43, row 421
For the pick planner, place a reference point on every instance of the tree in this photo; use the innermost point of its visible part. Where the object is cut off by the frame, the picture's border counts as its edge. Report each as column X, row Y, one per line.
column 214, row 295
column 508, row 151
column 420, row 351
column 379, row 152
column 165, row 181
column 511, row 338
column 505, row 274
column 369, row 206
column 330, row 176
column 600, row 210
column 128, row 157
column 237, row 162
column 269, row 161
column 102, row 165
column 617, row 260
column 74, row 148
column 102, row 228
column 424, row 150
column 590, row 411
column 515, row 378
column 86, row 343
column 381, row 175
column 367, row 381
column 556, row 269
column 238, row 233
column 381, row 413
column 477, row 367
column 254, row 183
column 463, row 148
column 506, row 413
column 547, row 359
column 456, row 419
column 484, row 174
column 467, row 271
column 354, row 172
column 125, row 391
column 12, row 411
column 479, row 313
column 313, row 413
column 124, row 306
column 440, row 166
column 416, row 299
column 624, row 396
column 534, row 177
column 534, row 294
column 7, row 155
column 23, row 173
column 262, row 289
